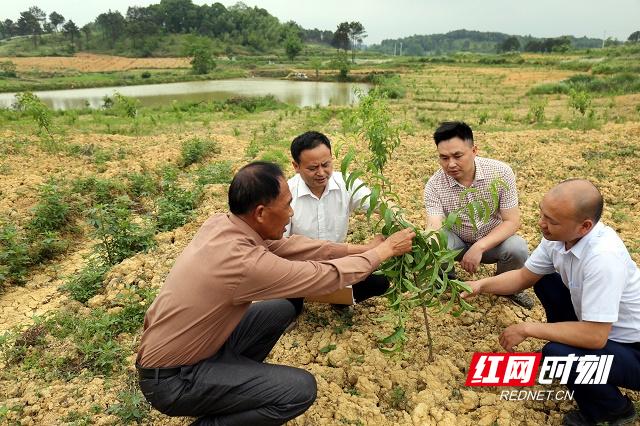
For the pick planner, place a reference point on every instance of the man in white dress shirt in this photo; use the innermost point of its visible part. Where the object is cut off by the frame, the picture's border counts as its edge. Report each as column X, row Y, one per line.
column 590, row 290
column 322, row 204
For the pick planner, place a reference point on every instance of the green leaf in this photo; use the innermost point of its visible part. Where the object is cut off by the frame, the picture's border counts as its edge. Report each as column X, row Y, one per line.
column 373, row 200
column 397, row 336
column 344, row 165
column 351, row 178
column 327, row 349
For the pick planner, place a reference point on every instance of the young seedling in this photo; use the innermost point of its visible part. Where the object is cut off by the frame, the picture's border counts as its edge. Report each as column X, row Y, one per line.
column 419, row 278
column 34, row 107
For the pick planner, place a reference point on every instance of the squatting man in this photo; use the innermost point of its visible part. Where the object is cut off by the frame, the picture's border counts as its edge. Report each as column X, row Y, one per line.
column 204, row 340
column 589, row 287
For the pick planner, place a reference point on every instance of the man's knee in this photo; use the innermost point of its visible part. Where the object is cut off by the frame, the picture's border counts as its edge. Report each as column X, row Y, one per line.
column 515, row 248
column 305, row 388
column 557, row 349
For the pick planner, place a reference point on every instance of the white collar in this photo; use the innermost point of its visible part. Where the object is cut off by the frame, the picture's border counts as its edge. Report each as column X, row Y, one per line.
column 580, row 245
column 304, row 190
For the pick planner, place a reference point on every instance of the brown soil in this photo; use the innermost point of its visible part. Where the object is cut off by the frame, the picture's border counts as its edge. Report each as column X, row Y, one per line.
column 89, row 62
column 357, row 384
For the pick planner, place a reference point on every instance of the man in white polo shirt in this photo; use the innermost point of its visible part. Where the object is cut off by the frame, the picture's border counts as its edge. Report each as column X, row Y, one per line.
column 590, row 289
column 322, row 204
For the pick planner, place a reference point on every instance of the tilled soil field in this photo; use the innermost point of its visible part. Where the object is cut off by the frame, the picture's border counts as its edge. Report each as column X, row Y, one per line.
column 357, row 383
column 90, row 62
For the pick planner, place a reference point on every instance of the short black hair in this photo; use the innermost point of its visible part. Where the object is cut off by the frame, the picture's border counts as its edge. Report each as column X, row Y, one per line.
column 255, row 184
column 451, row 129
column 307, row 140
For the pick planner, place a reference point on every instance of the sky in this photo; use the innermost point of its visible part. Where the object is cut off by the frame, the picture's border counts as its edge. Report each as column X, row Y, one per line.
column 386, row 19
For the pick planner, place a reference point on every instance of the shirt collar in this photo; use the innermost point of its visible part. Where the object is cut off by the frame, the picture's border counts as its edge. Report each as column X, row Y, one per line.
column 479, row 175
column 304, row 190
column 578, row 249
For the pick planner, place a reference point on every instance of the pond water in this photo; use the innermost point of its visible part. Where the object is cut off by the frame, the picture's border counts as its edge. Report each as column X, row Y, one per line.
column 300, row 93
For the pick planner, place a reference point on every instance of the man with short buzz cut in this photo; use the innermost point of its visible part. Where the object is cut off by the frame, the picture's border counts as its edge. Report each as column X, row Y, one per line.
column 590, row 290
column 322, row 204
column 461, row 169
column 204, row 342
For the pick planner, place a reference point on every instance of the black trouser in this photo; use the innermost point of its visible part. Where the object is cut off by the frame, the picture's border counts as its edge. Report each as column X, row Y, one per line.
column 373, row 285
column 596, row 401
column 235, row 386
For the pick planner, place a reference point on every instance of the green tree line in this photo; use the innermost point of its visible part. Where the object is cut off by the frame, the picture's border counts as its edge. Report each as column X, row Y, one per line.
column 143, row 27
column 480, row 42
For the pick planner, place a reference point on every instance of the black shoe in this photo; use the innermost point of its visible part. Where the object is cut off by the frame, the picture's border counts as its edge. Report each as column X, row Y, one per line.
column 625, row 417
column 521, row 299
column 342, row 309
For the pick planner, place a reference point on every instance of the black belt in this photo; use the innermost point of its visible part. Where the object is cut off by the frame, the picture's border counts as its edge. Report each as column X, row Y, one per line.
column 157, row 373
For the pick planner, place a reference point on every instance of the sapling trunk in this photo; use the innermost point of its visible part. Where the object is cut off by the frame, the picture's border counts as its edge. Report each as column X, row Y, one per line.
column 426, row 326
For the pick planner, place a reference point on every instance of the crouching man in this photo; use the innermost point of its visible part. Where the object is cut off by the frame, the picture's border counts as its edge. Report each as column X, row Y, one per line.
column 204, row 341
column 590, row 290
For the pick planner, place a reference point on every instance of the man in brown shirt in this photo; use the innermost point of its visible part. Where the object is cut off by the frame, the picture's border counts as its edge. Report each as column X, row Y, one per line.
column 204, row 341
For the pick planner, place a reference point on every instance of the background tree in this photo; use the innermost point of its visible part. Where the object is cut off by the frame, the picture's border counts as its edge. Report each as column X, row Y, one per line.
column 341, row 63
column 38, row 14
column 28, row 24
column 178, row 16
column 356, row 35
column 112, row 25
column 634, row 37
column 202, row 61
column 292, row 45
column 8, row 29
column 86, row 30
column 611, row 41
column 71, row 31
column 510, row 44
column 56, row 19
column 341, row 38
column 142, row 23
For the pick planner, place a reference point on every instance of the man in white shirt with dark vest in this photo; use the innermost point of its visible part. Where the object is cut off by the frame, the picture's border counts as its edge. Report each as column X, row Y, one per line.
column 322, row 204
column 590, row 290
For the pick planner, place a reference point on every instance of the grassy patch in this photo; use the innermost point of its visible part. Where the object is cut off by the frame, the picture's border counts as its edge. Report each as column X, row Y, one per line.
column 197, row 149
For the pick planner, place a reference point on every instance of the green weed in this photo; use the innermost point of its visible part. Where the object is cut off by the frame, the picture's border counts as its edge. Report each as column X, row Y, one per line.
column 580, row 101
column 142, row 184
column 175, row 206
column 536, row 110
column 131, row 407
column 277, row 157
column 53, row 212
column 217, row 172
column 195, row 150
column 398, row 398
column 86, row 283
column 119, row 237
column 14, row 255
